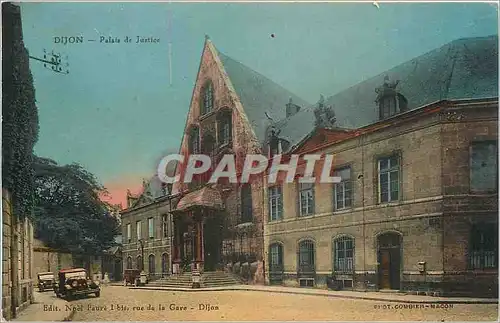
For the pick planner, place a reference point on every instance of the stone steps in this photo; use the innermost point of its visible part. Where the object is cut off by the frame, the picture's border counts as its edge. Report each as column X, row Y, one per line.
column 208, row 279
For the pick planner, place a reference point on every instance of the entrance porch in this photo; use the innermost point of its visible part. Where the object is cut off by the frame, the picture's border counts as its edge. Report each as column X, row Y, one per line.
column 198, row 232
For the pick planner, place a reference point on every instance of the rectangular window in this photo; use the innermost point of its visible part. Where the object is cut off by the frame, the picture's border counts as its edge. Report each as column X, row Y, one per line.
column 151, row 228
column 483, row 166
column 306, row 198
column 246, row 203
column 129, row 232
column 388, row 179
column 344, row 255
column 138, row 230
column 275, row 203
column 165, row 225
column 343, row 191
column 483, row 247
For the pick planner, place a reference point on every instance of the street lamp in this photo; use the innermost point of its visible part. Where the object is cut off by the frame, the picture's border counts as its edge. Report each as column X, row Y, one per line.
column 141, row 241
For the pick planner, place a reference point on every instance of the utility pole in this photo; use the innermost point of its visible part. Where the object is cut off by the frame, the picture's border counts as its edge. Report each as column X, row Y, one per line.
column 54, row 62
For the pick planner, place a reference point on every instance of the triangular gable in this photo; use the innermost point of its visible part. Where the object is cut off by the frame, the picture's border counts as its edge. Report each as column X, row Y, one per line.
column 320, row 137
column 222, row 86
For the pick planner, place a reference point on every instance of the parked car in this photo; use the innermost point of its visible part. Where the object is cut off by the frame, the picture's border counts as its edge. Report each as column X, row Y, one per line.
column 74, row 282
column 45, row 281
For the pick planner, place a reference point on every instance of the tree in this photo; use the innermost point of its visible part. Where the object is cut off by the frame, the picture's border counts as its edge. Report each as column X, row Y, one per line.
column 69, row 213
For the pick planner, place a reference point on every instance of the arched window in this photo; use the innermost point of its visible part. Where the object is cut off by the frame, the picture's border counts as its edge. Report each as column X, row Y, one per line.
column 164, row 263
column 129, row 262
column 194, row 140
column 140, row 264
column 207, row 95
column 246, row 203
column 224, row 125
column 151, row 262
column 343, row 254
column 306, row 255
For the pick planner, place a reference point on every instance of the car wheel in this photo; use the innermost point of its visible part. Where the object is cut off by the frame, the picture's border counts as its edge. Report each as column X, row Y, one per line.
column 97, row 294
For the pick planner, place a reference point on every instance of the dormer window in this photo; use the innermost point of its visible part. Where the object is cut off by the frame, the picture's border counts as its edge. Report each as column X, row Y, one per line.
column 390, row 102
column 207, row 102
column 388, row 107
column 194, row 140
column 225, row 127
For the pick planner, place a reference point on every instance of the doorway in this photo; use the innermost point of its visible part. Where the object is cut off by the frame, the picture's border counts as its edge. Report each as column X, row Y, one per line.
column 212, row 236
column 389, row 259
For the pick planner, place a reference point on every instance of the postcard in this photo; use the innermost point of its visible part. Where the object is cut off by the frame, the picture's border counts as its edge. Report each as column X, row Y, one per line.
column 249, row 161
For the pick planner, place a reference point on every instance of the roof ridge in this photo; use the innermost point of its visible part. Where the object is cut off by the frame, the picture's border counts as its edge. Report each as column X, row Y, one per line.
column 450, row 44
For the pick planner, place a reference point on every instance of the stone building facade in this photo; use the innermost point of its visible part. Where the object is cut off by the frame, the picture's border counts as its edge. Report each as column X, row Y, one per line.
column 231, row 113
column 417, row 207
column 146, row 230
column 17, row 260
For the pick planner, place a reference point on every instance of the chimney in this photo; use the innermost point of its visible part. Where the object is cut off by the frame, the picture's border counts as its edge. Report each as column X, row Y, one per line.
column 291, row 108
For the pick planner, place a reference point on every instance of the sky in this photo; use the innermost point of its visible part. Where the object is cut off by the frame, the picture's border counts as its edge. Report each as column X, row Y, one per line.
column 121, row 108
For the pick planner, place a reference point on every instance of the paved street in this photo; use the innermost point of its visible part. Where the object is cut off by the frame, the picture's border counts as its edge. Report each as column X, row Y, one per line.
column 120, row 304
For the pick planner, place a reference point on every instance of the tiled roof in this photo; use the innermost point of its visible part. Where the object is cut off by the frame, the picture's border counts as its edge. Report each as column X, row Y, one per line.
column 204, row 197
column 258, row 95
column 462, row 69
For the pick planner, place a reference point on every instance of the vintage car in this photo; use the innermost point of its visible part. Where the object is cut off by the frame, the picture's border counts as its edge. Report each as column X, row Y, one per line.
column 75, row 282
column 45, row 281
column 132, row 277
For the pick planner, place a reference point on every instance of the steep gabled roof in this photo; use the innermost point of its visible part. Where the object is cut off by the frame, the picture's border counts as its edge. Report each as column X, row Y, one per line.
column 462, row 69
column 258, row 95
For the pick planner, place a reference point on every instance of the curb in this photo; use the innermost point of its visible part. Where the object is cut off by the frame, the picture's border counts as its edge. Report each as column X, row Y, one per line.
column 368, row 298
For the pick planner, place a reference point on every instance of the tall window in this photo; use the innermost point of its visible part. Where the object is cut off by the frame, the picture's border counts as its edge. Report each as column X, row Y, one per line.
column 483, row 166
column 138, row 230
column 164, row 221
column 140, row 264
column 306, row 254
column 483, row 247
column 164, row 263
column 275, row 203
column 388, row 176
column 224, row 126
column 343, row 191
column 306, row 198
column 276, row 255
column 343, row 254
column 194, row 140
column 129, row 262
column 129, row 232
column 207, row 98
column 151, row 228
column 246, row 203
column 151, row 263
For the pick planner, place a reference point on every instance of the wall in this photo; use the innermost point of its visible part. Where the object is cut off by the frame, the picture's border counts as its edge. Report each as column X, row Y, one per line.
column 434, row 181
column 17, row 270
column 157, row 246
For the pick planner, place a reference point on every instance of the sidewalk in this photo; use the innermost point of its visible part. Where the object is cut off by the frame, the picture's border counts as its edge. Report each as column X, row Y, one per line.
column 45, row 309
column 372, row 296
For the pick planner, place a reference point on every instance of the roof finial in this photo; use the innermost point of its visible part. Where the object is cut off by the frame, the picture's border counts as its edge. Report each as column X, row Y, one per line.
column 207, row 37
column 290, row 101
